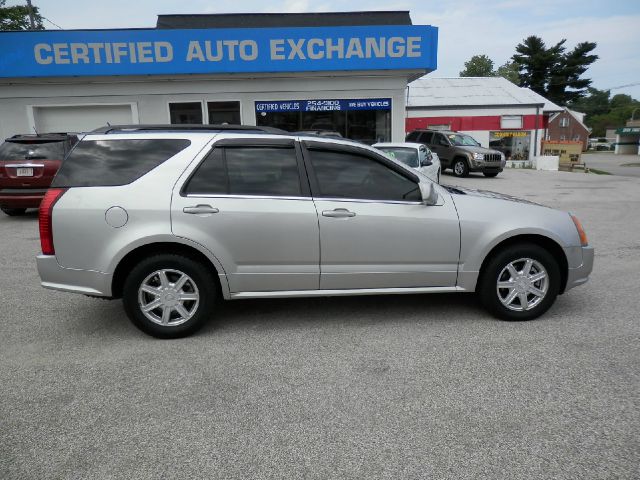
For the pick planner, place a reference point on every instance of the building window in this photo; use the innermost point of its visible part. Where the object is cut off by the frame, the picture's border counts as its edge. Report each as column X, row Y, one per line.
column 365, row 120
column 185, row 112
column 563, row 138
column 511, row 121
column 576, row 138
column 564, row 122
column 224, row 112
column 515, row 145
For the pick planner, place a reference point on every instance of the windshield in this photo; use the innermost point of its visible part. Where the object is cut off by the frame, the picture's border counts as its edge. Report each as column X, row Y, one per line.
column 462, row 140
column 32, row 150
column 408, row 156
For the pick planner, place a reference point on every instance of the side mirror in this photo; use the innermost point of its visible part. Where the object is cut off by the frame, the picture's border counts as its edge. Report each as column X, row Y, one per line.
column 429, row 193
column 427, row 161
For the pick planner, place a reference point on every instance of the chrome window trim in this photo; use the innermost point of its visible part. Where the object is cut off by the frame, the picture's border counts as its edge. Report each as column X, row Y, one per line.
column 24, row 165
column 276, row 197
column 245, row 197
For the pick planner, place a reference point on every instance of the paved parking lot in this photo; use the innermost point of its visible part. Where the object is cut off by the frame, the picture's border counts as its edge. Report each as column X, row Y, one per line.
column 370, row 387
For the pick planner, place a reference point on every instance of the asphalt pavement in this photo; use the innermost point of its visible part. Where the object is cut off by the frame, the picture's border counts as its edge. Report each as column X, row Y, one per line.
column 397, row 387
column 624, row 165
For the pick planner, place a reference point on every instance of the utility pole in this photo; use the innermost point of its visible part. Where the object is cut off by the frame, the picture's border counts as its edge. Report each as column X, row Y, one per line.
column 31, row 18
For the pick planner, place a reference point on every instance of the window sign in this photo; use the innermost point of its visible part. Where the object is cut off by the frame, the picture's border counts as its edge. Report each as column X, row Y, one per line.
column 324, row 105
column 514, row 145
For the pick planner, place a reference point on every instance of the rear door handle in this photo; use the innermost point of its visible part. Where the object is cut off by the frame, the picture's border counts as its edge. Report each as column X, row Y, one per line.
column 200, row 209
column 338, row 213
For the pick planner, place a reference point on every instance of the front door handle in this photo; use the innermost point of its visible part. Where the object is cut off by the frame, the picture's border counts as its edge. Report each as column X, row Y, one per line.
column 338, row 213
column 200, row 209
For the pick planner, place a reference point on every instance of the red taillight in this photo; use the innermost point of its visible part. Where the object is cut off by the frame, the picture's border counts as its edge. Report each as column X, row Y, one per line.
column 44, row 217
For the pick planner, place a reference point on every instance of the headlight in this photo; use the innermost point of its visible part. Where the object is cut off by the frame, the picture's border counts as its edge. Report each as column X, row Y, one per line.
column 581, row 233
column 478, row 156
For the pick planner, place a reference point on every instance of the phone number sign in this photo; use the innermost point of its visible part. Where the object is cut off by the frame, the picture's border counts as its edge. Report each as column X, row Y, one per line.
column 334, row 105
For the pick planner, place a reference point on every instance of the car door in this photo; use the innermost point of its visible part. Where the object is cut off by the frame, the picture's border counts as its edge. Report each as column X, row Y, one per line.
column 442, row 147
column 249, row 203
column 375, row 231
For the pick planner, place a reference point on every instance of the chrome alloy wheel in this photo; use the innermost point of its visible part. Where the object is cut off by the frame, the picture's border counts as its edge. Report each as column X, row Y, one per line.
column 522, row 284
column 168, row 297
column 458, row 168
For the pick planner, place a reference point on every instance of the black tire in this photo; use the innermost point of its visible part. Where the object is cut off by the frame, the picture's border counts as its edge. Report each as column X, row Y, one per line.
column 14, row 212
column 198, row 274
column 488, row 287
column 460, row 167
column 490, row 174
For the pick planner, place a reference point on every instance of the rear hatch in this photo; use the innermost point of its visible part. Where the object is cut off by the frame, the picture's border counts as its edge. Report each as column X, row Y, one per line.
column 30, row 163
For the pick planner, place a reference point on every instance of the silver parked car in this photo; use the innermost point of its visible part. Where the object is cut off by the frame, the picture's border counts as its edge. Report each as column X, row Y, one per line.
column 414, row 155
column 172, row 218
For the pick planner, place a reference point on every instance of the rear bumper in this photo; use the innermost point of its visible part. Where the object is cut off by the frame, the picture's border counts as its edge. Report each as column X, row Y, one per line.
column 21, row 198
column 87, row 282
column 579, row 275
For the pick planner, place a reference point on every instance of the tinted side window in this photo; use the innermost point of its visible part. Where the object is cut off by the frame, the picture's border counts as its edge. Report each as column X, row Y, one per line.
column 247, row 171
column 105, row 163
column 210, row 176
column 348, row 175
column 262, row 171
column 413, row 136
column 426, row 137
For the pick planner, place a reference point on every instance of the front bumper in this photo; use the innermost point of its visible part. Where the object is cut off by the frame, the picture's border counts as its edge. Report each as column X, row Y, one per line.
column 87, row 282
column 579, row 275
column 482, row 166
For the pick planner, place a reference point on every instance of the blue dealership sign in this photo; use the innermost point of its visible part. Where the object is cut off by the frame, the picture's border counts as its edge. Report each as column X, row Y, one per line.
column 324, row 105
column 170, row 52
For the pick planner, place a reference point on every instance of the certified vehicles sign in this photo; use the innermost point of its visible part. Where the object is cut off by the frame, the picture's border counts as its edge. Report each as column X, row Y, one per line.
column 324, row 105
column 153, row 51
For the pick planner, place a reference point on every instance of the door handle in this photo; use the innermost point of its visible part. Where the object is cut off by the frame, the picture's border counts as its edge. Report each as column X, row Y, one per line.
column 338, row 213
column 200, row 209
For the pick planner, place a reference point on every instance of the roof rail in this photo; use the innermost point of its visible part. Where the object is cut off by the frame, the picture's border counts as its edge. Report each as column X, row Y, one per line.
column 187, row 127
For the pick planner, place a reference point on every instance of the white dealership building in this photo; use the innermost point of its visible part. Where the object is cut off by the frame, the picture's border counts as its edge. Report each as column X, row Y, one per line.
column 341, row 71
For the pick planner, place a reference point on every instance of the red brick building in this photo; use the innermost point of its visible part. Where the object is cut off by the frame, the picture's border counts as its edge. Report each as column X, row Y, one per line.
column 568, row 125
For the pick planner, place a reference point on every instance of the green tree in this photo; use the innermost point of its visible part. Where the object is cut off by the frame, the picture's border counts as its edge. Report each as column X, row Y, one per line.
column 17, row 17
column 535, row 62
column 552, row 71
column 565, row 84
column 478, row 66
column 603, row 111
column 509, row 71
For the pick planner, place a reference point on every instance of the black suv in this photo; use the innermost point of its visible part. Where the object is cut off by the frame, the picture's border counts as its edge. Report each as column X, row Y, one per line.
column 460, row 152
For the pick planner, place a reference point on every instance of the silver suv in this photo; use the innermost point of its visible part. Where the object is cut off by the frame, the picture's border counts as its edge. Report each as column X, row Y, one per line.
column 171, row 219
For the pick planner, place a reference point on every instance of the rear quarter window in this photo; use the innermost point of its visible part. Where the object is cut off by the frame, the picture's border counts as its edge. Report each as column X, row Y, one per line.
column 108, row 163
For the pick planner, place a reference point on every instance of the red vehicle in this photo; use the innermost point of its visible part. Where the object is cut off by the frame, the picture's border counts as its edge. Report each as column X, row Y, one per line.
column 28, row 163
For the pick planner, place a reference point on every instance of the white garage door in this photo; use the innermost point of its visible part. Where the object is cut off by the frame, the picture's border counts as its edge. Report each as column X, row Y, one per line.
column 80, row 118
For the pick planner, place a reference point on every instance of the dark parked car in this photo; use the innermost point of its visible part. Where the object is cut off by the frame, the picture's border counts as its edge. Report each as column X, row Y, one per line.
column 460, row 152
column 28, row 163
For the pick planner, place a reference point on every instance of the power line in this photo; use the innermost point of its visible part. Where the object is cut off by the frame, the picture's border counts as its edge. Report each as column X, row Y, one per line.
column 54, row 24
column 624, row 86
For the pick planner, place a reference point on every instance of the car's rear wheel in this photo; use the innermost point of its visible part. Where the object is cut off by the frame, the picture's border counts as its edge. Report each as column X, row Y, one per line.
column 490, row 174
column 169, row 296
column 460, row 167
column 13, row 212
column 520, row 283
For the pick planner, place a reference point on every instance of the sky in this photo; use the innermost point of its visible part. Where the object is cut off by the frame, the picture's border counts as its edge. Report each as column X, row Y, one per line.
column 466, row 27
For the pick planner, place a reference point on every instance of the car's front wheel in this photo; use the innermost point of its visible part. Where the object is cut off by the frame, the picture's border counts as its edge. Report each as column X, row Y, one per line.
column 520, row 283
column 13, row 212
column 169, row 296
column 460, row 168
